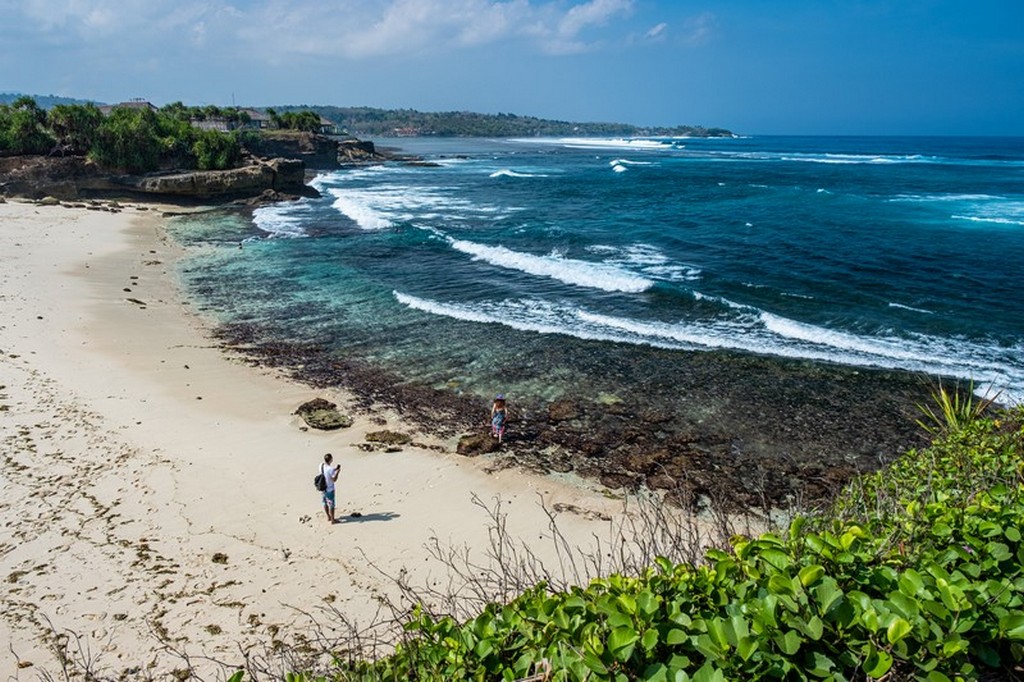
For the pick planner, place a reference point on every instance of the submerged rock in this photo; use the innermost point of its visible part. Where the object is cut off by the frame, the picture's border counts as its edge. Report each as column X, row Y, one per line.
column 563, row 410
column 323, row 414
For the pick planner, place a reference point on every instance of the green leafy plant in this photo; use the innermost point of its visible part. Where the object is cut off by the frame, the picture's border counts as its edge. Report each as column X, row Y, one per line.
column 955, row 409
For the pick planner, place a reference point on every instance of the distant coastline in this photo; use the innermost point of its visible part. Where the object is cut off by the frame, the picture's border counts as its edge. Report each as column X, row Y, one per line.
column 376, row 122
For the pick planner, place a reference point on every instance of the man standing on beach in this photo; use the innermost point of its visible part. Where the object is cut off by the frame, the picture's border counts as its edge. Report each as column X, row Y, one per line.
column 330, row 472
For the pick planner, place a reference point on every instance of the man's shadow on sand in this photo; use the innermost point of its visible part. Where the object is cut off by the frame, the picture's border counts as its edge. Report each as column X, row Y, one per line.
column 357, row 517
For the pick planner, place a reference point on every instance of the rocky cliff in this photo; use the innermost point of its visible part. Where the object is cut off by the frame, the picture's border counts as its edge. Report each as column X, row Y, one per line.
column 76, row 178
column 318, row 152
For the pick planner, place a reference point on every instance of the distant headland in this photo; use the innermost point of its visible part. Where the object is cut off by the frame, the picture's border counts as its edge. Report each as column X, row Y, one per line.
column 375, row 122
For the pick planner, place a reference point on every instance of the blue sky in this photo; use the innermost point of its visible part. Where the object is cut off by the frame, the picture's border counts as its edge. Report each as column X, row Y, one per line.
column 753, row 66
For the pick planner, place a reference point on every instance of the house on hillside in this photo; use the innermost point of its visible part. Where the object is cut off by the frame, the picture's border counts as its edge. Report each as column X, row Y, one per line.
column 135, row 103
column 329, row 127
column 247, row 119
column 258, row 119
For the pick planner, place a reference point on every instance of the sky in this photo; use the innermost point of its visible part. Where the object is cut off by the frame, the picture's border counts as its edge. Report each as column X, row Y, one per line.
column 819, row 67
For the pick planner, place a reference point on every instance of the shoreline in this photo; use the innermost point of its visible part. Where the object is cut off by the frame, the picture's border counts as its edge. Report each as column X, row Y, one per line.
column 183, row 506
column 740, row 430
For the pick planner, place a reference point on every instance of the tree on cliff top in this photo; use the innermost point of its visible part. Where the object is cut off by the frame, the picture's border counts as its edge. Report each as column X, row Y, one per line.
column 23, row 128
column 128, row 140
column 74, row 126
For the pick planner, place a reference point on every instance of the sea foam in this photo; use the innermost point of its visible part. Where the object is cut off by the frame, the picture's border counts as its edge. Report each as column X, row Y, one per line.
column 283, row 221
column 509, row 173
column 362, row 213
column 642, row 144
column 648, row 259
column 576, row 272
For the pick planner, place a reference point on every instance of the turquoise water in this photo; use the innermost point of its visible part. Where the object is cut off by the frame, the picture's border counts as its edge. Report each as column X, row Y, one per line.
column 533, row 267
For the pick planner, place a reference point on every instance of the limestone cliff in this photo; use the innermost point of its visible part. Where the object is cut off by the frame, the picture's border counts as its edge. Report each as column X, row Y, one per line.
column 76, row 178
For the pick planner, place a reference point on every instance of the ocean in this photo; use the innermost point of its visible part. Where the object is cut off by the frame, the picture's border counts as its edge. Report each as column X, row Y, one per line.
column 549, row 269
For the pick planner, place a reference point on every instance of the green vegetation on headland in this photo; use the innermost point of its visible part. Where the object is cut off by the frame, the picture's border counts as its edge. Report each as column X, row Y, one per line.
column 915, row 573
column 372, row 122
column 141, row 138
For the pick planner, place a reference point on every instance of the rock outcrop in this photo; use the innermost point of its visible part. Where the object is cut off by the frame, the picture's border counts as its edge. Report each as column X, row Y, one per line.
column 317, row 152
column 69, row 178
column 281, row 175
column 323, row 414
column 476, row 444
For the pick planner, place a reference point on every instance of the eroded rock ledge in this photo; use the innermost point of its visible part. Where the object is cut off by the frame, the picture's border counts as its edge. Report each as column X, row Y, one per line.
column 69, row 178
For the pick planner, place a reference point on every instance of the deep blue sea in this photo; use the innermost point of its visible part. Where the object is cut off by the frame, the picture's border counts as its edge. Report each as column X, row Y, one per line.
column 889, row 252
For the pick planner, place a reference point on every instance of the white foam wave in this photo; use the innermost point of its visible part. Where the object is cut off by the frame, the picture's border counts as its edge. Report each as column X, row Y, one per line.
column 862, row 345
column 637, row 143
column 363, row 214
column 911, row 308
column 923, row 198
column 857, row 158
column 283, row 221
column 383, row 205
column 627, row 162
column 979, row 208
column 698, row 296
column 575, row 272
column 762, row 333
column 619, row 169
column 649, row 260
column 531, row 316
column 509, row 173
column 993, row 220
column 451, row 161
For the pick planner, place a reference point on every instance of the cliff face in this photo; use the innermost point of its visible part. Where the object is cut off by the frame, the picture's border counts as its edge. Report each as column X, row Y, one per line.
column 316, row 151
column 75, row 178
column 281, row 175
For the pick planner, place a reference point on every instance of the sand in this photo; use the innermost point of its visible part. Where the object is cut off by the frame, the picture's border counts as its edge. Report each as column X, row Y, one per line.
column 156, row 496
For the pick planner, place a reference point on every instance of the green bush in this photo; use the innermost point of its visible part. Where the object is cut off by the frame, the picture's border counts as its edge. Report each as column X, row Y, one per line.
column 216, row 151
column 132, row 140
column 129, row 140
column 74, row 127
column 23, row 128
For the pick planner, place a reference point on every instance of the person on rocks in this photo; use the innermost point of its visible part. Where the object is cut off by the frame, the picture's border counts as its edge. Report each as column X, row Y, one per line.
column 499, row 417
column 330, row 472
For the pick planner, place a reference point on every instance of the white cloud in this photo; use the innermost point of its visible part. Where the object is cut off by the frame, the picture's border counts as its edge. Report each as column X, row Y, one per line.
column 88, row 18
column 593, row 13
column 656, row 32
column 277, row 30
column 700, row 29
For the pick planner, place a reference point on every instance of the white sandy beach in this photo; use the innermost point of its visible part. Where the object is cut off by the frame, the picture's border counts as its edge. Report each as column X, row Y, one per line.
column 134, row 450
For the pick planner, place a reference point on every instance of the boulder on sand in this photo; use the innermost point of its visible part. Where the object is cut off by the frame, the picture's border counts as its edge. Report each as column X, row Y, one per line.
column 322, row 414
column 475, row 444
